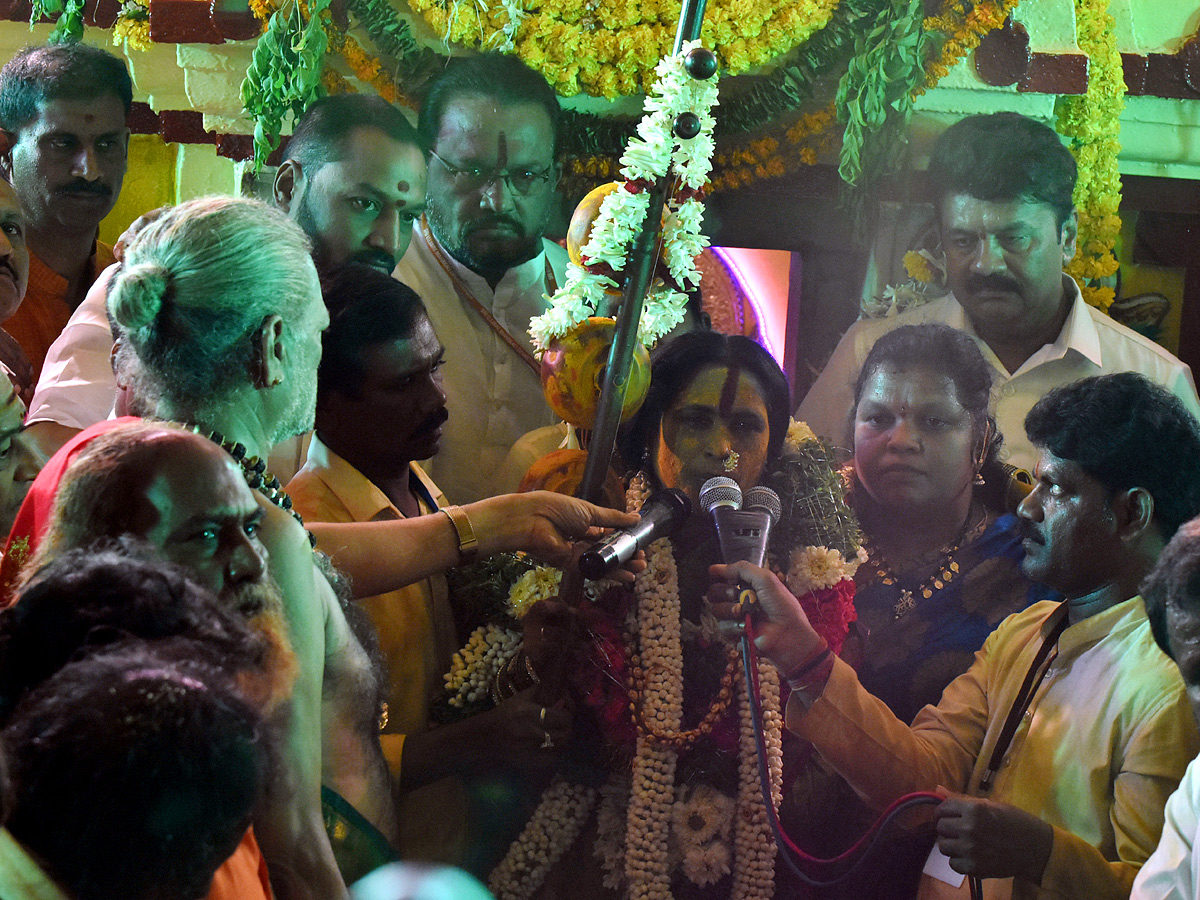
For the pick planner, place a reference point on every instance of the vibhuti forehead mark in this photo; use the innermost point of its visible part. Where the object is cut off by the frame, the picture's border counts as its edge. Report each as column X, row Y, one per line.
column 729, row 390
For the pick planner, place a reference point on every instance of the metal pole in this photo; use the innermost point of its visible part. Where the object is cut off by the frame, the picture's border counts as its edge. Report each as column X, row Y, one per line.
column 639, row 268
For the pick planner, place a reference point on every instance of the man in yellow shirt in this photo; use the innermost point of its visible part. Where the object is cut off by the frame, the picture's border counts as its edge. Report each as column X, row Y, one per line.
column 380, row 406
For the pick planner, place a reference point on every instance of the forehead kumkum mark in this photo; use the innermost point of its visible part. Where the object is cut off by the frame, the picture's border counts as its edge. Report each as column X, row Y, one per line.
column 402, row 186
column 729, row 390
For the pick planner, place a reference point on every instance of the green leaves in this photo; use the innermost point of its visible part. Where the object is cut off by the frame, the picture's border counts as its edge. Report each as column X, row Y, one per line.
column 69, row 27
column 285, row 72
column 875, row 96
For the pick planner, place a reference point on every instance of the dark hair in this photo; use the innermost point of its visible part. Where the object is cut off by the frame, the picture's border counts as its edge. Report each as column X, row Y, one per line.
column 947, row 352
column 322, row 131
column 1125, row 431
column 90, row 598
column 1003, row 156
column 59, row 71
column 673, row 366
column 496, row 76
column 366, row 307
column 1174, row 580
column 135, row 773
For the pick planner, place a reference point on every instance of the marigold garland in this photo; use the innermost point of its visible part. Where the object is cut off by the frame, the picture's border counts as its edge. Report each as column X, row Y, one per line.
column 610, row 50
column 365, row 67
column 811, row 137
column 132, row 27
column 1093, row 123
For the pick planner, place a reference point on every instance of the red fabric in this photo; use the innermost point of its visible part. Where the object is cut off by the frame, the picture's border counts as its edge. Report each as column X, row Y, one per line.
column 34, row 516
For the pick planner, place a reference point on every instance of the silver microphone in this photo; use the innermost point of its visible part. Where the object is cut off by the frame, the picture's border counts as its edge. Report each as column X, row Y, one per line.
column 743, row 524
column 661, row 516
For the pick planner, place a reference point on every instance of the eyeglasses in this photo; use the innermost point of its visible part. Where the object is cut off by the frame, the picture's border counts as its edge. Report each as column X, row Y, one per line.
column 476, row 178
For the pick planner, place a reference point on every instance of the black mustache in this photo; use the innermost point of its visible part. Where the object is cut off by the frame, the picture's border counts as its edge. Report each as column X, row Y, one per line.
column 492, row 221
column 434, row 420
column 82, row 186
column 376, row 259
column 978, row 284
column 1028, row 532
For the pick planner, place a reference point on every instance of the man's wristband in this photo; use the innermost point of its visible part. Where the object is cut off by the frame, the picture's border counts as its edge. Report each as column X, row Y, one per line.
column 468, row 544
column 810, row 662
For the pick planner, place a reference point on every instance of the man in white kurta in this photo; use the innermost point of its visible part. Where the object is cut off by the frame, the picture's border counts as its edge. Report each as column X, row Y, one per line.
column 479, row 260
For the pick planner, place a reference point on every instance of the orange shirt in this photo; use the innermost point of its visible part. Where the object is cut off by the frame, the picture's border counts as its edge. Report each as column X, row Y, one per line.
column 244, row 875
column 44, row 312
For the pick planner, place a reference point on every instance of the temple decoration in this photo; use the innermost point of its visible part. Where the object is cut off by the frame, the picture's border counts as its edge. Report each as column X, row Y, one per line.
column 1093, row 124
column 673, row 139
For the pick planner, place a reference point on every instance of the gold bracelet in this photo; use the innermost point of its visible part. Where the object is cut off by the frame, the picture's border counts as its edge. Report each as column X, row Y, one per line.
column 468, row 544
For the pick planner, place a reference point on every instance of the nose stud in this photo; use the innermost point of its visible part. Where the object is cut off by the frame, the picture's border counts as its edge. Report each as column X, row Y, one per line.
column 730, row 462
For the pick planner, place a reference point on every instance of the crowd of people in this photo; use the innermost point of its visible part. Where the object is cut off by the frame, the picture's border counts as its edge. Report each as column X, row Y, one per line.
column 252, row 458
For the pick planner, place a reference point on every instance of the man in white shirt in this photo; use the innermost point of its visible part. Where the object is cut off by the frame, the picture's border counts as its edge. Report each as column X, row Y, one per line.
column 1003, row 186
column 479, row 259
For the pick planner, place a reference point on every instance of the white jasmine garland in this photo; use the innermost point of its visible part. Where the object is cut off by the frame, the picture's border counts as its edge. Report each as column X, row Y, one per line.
column 549, row 833
column 474, row 667
column 654, row 153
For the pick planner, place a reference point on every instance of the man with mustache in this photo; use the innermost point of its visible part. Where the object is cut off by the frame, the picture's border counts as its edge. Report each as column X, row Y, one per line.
column 353, row 179
column 1062, row 742
column 479, row 260
column 62, row 115
column 1002, row 188
column 380, row 407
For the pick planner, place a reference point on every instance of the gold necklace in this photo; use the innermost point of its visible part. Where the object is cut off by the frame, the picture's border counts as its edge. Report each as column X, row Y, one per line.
column 943, row 573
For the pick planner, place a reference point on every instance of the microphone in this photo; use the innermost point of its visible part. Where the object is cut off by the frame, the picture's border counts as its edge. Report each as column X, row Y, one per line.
column 743, row 526
column 661, row 516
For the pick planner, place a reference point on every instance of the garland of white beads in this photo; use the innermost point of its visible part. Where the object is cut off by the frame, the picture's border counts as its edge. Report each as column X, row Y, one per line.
column 652, row 796
column 549, row 833
column 753, row 843
column 474, row 667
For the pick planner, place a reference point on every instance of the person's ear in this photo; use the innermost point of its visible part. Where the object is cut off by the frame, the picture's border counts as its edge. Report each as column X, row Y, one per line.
column 270, row 358
column 1070, row 231
column 289, row 183
column 1133, row 510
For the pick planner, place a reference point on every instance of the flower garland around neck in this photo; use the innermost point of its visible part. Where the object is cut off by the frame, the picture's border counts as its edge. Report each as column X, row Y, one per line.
column 655, row 153
column 1093, row 124
column 609, row 49
column 656, row 832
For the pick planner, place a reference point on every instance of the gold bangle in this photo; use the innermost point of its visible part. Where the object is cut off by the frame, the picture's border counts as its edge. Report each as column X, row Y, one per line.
column 468, row 544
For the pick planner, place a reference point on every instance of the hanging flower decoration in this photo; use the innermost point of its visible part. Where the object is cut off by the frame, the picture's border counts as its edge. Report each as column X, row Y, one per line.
column 132, row 27
column 609, row 49
column 674, row 140
column 1093, row 124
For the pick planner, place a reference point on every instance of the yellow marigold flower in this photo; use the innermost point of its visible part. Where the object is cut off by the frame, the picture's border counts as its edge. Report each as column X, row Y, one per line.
column 917, row 267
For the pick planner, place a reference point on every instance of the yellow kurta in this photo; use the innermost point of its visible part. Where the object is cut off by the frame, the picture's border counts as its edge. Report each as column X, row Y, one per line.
column 416, row 633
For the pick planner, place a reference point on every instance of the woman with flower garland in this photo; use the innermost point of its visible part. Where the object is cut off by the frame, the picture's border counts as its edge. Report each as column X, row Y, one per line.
column 659, row 796
column 943, row 563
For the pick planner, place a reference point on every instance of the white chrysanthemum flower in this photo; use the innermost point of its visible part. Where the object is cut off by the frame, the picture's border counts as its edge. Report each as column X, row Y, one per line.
column 813, row 569
column 708, row 864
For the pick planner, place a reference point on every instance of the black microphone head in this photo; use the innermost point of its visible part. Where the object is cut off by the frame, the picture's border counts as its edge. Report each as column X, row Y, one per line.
column 679, row 503
column 718, row 492
column 762, row 497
